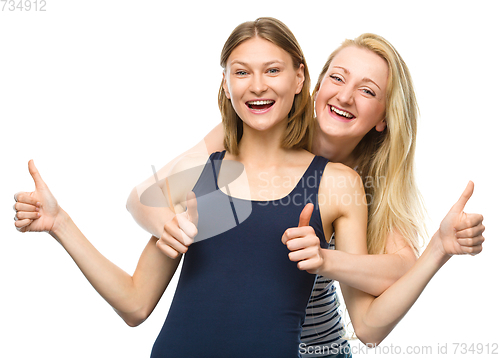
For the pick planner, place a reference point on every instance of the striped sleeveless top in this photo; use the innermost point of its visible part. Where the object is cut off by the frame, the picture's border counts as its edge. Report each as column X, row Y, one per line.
column 323, row 330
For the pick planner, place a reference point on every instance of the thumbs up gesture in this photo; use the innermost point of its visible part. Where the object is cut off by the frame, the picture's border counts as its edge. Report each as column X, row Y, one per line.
column 461, row 233
column 37, row 210
column 180, row 232
column 303, row 243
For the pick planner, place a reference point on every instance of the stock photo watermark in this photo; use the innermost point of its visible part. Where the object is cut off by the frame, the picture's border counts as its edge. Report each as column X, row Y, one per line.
column 437, row 349
column 269, row 184
column 229, row 211
column 23, row 5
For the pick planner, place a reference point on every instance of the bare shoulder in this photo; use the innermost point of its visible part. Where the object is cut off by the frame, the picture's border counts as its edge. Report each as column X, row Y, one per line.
column 183, row 176
column 187, row 161
column 339, row 189
column 338, row 177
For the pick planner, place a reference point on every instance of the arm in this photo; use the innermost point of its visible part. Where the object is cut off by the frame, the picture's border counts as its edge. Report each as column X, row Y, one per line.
column 153, row 219
column 351, row 268
column 374, row 318
column 133, row 297
column 383, row 270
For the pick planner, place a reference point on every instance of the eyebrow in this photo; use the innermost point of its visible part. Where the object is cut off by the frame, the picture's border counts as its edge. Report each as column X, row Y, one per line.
column 268, row 63
column 365, row 79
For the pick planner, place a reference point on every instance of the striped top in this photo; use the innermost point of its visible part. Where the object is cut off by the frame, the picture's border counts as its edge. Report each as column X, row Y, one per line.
column 323, row 328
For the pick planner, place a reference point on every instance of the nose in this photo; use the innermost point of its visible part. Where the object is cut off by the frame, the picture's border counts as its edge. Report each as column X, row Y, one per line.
column 346, row 94
column 258, row 84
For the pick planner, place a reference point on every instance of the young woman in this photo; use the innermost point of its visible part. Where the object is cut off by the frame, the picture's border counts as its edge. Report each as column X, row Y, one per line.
column 266, row 86
column 366, row 118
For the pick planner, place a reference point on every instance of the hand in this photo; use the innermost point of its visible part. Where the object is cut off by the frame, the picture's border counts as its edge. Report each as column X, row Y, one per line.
column 38, row 210
column 303, row 243
column 179, row 232
column 461, row 233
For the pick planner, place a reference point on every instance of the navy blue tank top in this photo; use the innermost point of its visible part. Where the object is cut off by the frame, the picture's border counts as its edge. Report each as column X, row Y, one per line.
column 238, row 293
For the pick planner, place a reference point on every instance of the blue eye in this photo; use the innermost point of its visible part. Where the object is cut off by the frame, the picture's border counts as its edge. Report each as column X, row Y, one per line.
column 369, row 92
column 336, row 78
column 273, row 70
column 241, row 73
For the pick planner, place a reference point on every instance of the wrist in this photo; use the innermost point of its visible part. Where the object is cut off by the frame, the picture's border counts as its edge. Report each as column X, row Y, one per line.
column 327, row 269
column 60, row 224
column 436, row 251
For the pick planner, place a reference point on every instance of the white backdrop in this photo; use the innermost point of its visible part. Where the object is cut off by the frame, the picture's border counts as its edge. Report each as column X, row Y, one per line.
column 97, row 91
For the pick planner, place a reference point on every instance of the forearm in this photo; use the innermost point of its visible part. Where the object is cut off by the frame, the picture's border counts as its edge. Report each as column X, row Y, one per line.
column 369, row 273
column 151, row 219
column 382, row 314
column 112, row 283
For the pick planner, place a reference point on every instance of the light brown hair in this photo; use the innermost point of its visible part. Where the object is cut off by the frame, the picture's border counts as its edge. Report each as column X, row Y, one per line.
column 299, row 130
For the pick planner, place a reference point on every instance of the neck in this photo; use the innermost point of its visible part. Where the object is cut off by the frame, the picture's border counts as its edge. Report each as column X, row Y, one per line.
column 335, row 149
column 264, row 146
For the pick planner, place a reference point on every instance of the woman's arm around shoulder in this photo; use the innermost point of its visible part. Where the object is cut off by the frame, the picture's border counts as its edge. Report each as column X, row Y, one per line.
column 149, row 201
column 341, row 202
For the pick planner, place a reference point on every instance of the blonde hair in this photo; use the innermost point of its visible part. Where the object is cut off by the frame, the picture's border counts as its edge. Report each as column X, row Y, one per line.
column 299, row 130
column 385, row 159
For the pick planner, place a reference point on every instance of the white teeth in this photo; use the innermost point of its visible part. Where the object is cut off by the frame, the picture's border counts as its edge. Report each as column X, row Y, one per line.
column 260, row 103
column 341, row 113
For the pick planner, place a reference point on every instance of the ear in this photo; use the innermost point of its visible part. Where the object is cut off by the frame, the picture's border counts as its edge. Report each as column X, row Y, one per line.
column 381, row 125
column 315, row 96
column 224, row 85
column 300, row 78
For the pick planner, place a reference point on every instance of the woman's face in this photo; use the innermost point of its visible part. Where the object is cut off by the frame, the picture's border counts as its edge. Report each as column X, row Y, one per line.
column 261, row 83
column 351, row 97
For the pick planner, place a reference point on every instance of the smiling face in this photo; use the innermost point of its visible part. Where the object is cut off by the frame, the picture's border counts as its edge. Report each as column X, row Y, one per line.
column 351, row 98
column 261, row 82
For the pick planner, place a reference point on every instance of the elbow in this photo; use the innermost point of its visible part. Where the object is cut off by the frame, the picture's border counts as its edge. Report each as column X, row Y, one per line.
column 369, row 337
column 134, row 319
column 370, row 343
column 134, row 322
column 131, row 200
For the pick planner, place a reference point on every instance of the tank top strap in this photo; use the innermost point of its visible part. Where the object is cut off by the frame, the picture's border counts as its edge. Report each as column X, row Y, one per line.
column 312, row 177
column 209, row 177
column 216, row 159
column 207, row 182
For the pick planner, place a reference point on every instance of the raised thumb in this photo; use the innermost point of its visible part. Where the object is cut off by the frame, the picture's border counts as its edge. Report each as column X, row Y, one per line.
column 305, row 215
column 460, row 204
column 39, row 183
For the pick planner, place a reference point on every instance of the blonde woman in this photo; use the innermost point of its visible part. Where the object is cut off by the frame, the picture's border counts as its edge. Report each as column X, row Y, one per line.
column 366, row 115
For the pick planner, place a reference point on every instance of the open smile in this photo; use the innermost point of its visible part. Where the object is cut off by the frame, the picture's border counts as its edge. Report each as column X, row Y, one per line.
column 260, row 106
column 341, row 114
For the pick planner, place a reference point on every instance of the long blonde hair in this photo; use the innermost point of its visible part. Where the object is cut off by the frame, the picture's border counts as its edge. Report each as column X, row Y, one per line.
column 385, row 160
column 299, row 130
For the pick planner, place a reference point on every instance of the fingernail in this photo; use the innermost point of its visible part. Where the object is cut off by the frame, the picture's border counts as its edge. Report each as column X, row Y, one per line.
column 38, row 204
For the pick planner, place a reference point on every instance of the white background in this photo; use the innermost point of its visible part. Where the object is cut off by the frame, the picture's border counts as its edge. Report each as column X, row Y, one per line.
column 97, row 91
